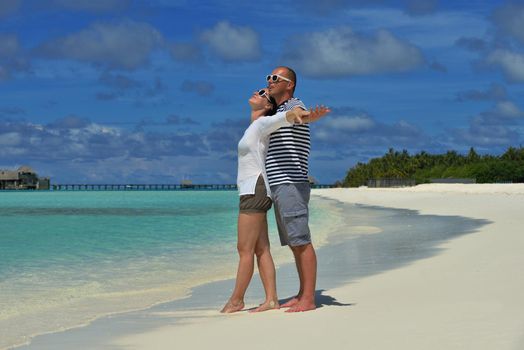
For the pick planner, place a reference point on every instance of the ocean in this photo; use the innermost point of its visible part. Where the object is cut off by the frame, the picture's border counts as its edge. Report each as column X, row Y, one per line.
column 67, row 258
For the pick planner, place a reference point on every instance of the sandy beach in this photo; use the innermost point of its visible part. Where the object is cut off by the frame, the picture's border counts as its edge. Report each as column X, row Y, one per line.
column 469, row 296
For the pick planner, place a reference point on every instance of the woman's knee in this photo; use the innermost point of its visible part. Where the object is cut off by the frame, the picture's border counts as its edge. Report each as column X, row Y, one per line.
column 261, row 250
column 245, row 251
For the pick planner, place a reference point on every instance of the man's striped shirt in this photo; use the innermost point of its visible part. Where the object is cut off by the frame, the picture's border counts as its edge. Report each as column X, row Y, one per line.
column 288, row 151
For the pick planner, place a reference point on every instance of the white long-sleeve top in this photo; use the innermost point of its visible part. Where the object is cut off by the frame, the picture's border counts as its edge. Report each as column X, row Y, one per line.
column 252, row 149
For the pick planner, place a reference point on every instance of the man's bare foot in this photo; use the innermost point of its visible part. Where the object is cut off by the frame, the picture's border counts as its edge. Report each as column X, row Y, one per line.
column 231, row 307
column 269, row 305
column 302, row 306
column 290, row 302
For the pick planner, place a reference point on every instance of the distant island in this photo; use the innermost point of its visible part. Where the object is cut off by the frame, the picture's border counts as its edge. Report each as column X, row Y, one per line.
column 424, row 168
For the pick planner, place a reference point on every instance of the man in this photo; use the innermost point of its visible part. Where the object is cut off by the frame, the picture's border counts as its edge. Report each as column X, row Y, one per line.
column 287, row 171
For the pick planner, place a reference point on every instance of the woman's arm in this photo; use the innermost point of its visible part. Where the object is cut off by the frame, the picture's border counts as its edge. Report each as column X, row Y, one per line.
column 297, row 115
column 267, row 125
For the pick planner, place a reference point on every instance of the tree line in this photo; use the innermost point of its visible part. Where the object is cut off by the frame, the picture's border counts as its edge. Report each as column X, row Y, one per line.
column 422, row 167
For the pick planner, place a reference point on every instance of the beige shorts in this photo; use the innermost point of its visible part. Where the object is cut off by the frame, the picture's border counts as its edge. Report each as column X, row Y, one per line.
column 258, row 202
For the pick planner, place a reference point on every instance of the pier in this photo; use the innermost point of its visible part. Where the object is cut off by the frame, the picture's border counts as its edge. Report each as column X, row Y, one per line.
column 152, row 187
column 141, row 187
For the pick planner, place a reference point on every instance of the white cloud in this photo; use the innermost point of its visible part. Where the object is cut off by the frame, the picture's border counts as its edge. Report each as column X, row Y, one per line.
column 69, row 149
column 496, row 127
column 81, row 140
column 233, row 43
column 356, row 123
column 512, row 63
column 341, row 52
column 486, row 136
column 347, row 129
column 420, row 30
column 10, row 139
column 510, row 19
column 503, row 113
column 125, row 44
column 508, row 109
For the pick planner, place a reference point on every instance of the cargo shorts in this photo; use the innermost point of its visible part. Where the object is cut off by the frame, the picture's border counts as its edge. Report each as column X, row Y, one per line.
column 291, row 202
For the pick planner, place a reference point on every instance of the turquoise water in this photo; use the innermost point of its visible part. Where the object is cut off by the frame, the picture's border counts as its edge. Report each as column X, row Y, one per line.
column 70, row 257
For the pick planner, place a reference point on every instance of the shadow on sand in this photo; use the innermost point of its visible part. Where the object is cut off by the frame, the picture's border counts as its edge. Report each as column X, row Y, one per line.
column 320, row 300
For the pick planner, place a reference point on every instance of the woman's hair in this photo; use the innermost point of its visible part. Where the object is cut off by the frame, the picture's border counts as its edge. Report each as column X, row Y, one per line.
column 274, row 106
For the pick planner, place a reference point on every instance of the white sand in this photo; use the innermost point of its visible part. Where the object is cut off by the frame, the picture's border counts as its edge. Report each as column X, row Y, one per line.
column 470, row 296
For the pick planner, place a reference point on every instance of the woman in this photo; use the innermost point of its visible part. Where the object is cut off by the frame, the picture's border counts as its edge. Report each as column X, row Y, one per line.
column 255, row 197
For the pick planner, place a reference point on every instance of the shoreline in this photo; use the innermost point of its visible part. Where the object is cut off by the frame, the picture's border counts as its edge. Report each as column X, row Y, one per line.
column 225, row 275
column 165, row 324
column 467, row 296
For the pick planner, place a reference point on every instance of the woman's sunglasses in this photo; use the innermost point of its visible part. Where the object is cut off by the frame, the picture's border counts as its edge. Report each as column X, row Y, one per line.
column 273, row 78
column 263, row 92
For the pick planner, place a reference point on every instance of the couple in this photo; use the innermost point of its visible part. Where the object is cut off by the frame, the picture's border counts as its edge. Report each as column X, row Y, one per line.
column 273, row 168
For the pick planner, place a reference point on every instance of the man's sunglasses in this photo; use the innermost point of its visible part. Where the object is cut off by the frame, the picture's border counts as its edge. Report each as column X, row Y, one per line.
column 263, row 92
column 273, row 78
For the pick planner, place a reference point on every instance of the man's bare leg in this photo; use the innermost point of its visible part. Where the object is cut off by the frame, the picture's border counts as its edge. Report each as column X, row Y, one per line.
column 291, row 302
column 307, row 260
column 249, row 226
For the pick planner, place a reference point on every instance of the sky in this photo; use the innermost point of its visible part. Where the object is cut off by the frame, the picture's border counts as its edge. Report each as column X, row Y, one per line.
column 138, row 91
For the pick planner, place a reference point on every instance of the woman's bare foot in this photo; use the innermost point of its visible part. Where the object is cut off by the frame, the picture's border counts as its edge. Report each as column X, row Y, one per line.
column 291, row 302
column 231, row 307
column 268, row 305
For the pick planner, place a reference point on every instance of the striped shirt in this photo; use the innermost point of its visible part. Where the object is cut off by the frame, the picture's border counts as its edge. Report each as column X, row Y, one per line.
column 288, row 151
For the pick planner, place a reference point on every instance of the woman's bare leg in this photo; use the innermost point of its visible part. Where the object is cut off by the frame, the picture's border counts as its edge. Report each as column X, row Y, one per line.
column 249, row 227
column 266, row 268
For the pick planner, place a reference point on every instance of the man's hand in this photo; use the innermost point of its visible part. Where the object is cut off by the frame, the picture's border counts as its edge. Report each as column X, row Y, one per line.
column 299, row 116
column 316, row 113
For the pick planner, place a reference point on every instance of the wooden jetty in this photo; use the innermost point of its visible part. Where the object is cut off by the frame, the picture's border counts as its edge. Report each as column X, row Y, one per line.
column 151, row 187
column 140, row 187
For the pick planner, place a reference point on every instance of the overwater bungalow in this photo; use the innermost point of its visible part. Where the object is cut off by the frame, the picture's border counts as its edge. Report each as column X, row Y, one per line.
column 24, row 178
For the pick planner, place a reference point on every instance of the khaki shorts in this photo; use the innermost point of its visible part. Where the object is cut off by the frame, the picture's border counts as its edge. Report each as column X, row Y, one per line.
column 258, row 202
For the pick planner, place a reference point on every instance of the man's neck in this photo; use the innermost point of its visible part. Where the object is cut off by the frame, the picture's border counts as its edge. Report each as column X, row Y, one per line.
column 283, row 98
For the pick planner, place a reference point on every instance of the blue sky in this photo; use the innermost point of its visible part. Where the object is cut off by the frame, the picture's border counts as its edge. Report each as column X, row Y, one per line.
column 123, row 91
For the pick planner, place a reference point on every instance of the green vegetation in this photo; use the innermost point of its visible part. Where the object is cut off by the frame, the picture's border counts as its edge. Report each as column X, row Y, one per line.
column 422, row 167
